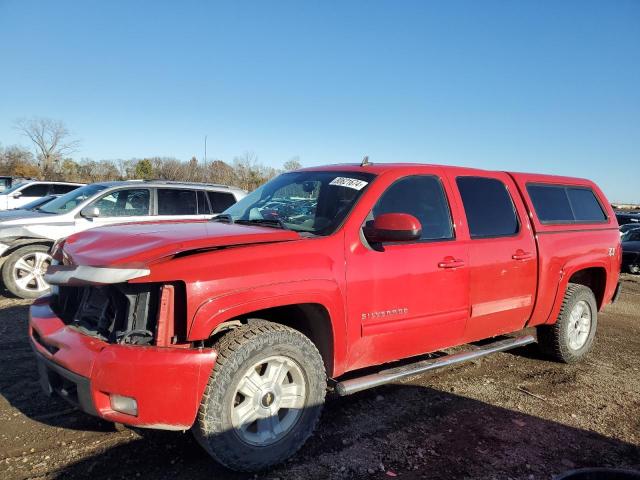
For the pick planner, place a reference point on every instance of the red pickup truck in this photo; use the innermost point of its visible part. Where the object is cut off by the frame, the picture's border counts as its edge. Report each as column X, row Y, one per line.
column 235, row 327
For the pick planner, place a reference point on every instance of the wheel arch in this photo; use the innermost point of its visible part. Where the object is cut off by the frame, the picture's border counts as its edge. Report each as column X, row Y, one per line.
column 23, row 243
column 592, row 275
column 318, row 315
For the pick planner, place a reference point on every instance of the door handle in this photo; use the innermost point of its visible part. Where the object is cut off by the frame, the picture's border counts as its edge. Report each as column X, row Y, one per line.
column 522, row 255
column 450, row 262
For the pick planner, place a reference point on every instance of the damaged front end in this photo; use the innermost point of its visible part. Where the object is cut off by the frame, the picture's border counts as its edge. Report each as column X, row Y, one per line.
column 117, row 350
column 122, row 313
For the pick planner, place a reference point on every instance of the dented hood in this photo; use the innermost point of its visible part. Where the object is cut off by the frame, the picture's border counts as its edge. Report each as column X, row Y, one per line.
column 138, row 244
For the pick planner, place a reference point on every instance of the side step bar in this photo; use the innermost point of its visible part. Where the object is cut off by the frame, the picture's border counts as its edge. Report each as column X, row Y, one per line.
column 354, row 385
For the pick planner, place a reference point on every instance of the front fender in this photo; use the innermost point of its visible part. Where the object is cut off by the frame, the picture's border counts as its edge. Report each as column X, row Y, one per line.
column 226, row 307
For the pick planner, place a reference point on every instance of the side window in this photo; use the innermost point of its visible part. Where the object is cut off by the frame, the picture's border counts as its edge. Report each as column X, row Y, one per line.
column 586, row 207
column 124, row 203
column 173, row 201
column 565, row 204
column 220, row 201
column 57, row 189
column 37, row 190
column 488, row 207
column 203, row 204
column 423, row 197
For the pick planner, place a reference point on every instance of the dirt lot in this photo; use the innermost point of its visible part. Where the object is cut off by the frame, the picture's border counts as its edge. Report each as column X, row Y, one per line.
column 512, row 415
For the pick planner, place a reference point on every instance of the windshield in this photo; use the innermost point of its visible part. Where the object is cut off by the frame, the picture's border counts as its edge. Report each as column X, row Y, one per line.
column 71, row 200
column 307, row 201
column 14, row 188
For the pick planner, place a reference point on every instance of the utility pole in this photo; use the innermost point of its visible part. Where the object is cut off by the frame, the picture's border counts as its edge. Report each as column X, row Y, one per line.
column 204, row 170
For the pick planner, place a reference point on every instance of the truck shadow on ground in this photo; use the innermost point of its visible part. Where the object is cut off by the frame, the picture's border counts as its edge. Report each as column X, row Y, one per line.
column 414, row 431
column 417, row 432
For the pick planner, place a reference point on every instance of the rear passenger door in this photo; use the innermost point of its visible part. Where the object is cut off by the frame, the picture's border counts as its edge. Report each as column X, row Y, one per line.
column 502, row 255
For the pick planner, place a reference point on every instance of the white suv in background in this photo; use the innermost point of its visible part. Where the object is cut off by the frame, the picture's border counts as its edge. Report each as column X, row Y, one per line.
column 27, row 191
column 25, row 239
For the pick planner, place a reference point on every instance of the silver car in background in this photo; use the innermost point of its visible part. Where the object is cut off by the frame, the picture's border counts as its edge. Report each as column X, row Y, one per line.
column 27, row 235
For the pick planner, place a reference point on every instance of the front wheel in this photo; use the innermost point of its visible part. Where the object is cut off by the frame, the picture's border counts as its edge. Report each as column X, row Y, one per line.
column 571, row 337
column 23, row 271
column 264, row 396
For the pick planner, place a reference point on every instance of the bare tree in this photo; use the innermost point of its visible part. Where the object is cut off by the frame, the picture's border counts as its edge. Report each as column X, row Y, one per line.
column 50, row 139
column 292, row 164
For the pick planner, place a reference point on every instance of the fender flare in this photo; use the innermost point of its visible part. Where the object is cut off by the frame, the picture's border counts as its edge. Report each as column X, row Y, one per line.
column 567, row 272
column 229, row 306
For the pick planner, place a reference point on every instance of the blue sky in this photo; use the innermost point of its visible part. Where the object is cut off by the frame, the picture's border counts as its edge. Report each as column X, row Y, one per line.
column 543, row 86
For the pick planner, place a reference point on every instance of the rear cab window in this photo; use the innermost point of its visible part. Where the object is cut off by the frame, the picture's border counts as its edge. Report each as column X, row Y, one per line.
column 488, row 207
column 565, row 204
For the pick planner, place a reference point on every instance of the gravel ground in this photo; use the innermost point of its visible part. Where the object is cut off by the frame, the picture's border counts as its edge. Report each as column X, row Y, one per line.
column 511, row 415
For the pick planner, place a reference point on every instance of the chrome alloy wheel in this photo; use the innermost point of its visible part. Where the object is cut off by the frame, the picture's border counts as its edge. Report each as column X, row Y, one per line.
column 28, row 272
column 268, row 401
column 579, row 325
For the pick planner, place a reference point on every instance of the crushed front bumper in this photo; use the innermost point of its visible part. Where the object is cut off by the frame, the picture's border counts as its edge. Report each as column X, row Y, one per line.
column 166, row 383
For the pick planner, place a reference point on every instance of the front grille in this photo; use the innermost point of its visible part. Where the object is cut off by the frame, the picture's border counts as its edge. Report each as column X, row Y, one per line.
column 121, row 313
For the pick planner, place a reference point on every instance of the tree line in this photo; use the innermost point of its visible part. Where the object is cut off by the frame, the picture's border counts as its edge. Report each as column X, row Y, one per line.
column 50, row 158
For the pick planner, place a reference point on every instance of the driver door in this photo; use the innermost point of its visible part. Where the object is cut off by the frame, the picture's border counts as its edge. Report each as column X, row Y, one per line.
column 119, row 206
column 409, row 298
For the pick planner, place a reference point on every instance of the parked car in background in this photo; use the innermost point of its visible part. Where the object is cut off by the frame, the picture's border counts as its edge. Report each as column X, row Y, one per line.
column 31, row 206
column 631, row 250
column 7, row 182
column 30, row 190
column 232, row 327
column 26, row 238
column 628, row 226
column 627, row 217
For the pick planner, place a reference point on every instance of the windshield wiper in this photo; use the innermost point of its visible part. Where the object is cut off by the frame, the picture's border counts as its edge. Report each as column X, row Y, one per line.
column 222, row 217
column 267, row 222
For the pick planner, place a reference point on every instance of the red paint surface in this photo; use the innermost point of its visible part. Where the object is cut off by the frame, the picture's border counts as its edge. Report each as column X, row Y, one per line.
column 383, row 304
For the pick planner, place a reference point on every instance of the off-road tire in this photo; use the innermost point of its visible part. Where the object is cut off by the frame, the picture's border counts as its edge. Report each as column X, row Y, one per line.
column 554, row 339
column 9, row 265
column 237, row 351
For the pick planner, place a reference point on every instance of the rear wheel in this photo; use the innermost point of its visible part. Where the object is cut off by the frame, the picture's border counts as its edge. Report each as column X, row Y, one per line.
column 572, row 336
column 23, row 271
column 264, row 396
column 635, row 269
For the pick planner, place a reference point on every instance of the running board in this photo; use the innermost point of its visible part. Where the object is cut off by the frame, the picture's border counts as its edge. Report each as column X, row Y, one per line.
column 354, row 385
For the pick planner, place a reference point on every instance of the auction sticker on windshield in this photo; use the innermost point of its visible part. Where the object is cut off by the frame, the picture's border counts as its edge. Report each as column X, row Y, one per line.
column 349, row 182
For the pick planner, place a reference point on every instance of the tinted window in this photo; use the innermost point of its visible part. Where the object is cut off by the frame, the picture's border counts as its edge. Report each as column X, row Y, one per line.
column 221, row 201
column 37, row 190
column 124, row 203
column 62, row 189
column 488, row 207
column 203, row 203
column 177, row 202
column 585, row 205
column 422, row 197
column 563, row 204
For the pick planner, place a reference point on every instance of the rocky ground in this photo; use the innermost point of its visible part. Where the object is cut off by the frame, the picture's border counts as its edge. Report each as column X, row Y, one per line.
column 512, row 415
